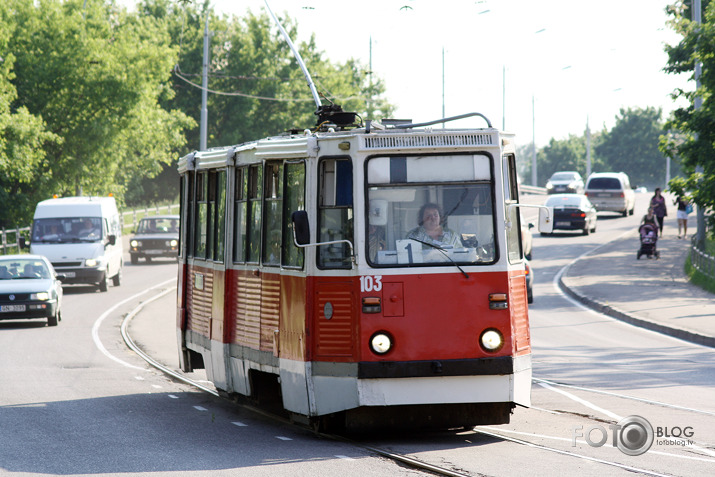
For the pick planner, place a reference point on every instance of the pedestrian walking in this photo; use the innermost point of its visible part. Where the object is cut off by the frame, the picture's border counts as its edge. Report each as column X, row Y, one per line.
column 684, row 208
column 659, row 208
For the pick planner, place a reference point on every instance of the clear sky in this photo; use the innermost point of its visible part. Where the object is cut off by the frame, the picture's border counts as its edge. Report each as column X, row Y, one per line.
column 573, row 60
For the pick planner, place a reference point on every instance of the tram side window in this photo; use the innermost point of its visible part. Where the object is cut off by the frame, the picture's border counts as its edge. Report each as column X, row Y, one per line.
column 273, row 213
column 182, row 215
column 511, row 196
column 188, row 217
column 294, row 199
column 240, row 215
column 255, row 195
column 201, row 214
column 218, row 208
column 335, row 212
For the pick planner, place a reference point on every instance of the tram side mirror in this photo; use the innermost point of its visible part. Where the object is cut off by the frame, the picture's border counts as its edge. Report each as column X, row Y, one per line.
column 301, row 227
column 23, row 243
column 546, row 220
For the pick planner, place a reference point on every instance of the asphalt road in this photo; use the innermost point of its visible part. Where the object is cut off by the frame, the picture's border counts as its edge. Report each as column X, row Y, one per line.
column 74, row 400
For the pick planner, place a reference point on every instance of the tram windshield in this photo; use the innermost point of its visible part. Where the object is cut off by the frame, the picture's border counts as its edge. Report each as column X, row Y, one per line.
column 426, row 210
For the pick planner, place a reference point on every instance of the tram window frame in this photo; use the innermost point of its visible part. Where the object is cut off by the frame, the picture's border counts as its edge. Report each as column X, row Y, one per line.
column 272, row 213
column 394, row 172
column 293, row 199
column 240, row 215
column 200, row 229
column 218, row 209
column 185, row 208
column 255, row 213
column 333, row 198
column 515, row 252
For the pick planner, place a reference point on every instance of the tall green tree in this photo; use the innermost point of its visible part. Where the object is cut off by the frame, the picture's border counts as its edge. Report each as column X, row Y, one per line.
column 23, row 137
column 693, row 138
column 97, row 76
column 631, row 146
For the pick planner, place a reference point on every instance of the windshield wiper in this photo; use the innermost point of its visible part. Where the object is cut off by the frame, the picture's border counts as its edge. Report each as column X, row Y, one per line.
column 443, row 253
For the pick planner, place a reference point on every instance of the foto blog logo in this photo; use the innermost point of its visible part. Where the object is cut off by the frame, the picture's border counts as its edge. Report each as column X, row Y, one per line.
column 633, row 435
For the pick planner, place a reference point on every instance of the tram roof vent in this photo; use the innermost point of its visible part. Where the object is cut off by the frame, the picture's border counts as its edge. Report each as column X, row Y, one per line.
column 407, row 141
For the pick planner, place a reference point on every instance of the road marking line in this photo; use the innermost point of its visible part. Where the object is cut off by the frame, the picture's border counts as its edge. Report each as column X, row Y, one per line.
column 582, row 401
column 239, row 424
column 284, row 438
column 200, row 408
column 98, row 323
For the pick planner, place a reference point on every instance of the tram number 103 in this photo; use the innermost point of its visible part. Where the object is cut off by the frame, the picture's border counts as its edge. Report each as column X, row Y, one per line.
column 370, row 283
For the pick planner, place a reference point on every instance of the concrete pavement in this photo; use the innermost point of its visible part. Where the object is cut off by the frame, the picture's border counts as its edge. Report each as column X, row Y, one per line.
column 650, row 293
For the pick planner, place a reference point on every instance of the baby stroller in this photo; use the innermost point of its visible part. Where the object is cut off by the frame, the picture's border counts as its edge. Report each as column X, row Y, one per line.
column 649, row 238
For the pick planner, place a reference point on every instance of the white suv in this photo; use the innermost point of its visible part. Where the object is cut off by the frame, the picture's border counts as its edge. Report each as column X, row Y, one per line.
column 611, row 191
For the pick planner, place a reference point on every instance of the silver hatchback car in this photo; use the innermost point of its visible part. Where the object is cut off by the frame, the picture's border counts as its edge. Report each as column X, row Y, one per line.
column 611, row 192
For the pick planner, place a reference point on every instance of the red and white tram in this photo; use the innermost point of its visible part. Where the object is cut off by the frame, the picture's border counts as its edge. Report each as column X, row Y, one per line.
column 366, row 317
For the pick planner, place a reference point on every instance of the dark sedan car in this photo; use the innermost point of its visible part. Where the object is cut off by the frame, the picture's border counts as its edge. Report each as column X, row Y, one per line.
column 529, row 283
column 156, row 236
column 573, row 212
column 29, row 288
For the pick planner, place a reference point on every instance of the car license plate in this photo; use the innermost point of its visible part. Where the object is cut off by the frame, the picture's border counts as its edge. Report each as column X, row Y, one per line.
column 11, row 308
column 605, row 194
column 153, row 252
column 67, row 274
column 563, row 224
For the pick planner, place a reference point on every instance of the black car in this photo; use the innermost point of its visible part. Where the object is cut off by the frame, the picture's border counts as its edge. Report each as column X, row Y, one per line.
column 573, row 212
column 29, row 288
column 156, row 236
column 529, row 282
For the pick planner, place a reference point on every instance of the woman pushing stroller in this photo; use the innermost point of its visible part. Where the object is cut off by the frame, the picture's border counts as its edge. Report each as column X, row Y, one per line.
column 648, row 232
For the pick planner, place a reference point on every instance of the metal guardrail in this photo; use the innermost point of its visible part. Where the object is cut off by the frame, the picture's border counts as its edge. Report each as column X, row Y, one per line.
column 702, row 262
column 527, row 189
column 137, row 214
column 10, row 240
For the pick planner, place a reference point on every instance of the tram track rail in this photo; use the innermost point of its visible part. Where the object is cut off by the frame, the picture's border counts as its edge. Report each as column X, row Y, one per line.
column 402, row 459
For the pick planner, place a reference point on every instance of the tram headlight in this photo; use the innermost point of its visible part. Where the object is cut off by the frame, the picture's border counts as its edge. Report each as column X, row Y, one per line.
column 381, row 342
column 491, row 340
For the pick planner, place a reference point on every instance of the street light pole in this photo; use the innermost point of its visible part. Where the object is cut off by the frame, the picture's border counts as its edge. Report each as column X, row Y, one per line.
column 204, row 89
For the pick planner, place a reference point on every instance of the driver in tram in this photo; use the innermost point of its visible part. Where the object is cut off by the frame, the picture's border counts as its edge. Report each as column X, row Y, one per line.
column 431, row 230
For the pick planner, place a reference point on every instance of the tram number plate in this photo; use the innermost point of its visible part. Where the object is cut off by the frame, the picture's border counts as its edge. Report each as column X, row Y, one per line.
column 11, row 308
column 370, row 283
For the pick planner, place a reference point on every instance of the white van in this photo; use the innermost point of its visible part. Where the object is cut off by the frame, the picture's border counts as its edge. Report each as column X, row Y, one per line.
column 81, row 236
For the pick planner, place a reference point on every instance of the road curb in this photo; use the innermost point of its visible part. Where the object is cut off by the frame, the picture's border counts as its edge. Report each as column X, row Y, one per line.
column 614, row 312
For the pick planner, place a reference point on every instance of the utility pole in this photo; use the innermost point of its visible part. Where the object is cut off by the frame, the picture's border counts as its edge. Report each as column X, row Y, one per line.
column 533, row 144
column 443, row 114
column 204, row 89
column 588, row 149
